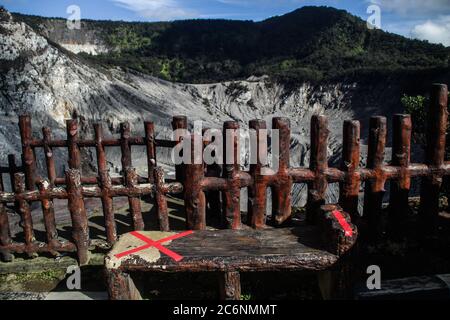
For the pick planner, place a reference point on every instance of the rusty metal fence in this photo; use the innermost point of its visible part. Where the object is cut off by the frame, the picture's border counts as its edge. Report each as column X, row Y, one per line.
column 220, row 187
column 28, row 187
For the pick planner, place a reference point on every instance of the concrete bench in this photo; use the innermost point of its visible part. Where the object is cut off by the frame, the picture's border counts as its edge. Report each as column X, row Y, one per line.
column 228, row 252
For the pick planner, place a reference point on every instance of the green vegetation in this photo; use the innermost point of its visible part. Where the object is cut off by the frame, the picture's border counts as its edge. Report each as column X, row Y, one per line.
column 309, row 44
column 416, row 107
column 126, row 39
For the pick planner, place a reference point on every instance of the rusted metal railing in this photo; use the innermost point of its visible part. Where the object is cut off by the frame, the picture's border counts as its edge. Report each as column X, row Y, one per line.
column 219, row 188
column 319, row 175
column 27, row 187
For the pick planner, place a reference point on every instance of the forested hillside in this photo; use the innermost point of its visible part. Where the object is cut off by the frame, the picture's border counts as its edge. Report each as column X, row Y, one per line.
column 311, row 43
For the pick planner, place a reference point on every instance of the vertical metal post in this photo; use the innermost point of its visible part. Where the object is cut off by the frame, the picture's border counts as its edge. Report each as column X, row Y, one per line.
column 257, row 193
column 282, row 188
column 29, row 160
column 435, row 153
column 349, row 190
column 5, row 234
column 49, row 215
column 130, row 175
column 160, row 200
column 25, row 213
column 125, row 134
column 214, row 202
column 374, row 189
column 179, row 122
column 401, row 154
column 131, row 179
column 106, row 185
column 319, row 165
column 151, row 150
column 80, row 228
column 72, row 145
column 49, row 160
column 195, row 200
column 231, row 196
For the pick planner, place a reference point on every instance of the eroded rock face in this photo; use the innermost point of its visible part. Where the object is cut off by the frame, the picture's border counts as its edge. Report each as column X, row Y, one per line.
column 40, row 79
column 87, row 39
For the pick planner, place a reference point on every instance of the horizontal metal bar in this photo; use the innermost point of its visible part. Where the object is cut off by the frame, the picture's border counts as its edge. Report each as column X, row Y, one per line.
column 222, row 184
column 39, row 247
column 90, row 192
column 333, row 175
column 95, row 180
column 134, row 141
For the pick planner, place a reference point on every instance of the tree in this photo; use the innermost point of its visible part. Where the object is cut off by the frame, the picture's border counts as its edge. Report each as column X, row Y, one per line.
column 417, row 107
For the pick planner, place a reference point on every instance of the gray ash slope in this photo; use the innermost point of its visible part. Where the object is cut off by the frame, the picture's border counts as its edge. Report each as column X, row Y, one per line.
column 40, row 78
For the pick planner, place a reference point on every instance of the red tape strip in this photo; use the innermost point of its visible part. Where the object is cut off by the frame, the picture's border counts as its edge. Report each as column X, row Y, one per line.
column 157, row 244
column 344, row 224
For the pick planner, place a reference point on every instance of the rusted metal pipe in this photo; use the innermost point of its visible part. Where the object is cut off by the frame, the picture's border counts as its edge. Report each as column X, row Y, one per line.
column 160, row 200
column 214, row 170
column 5, row 235
column 110, row 142
column 282, row 188
column 194, row 195
column 349, row 189
column 80, row 228
column 90, row 192
column 49, row 216
column 72, row 145
column 435, row 153
column 318, row 164
column 25, row 213
column 232, row 195
column 151, row 150
column 108, row 207
column 401, row 155
column 105, row 184
column 39, row 247
column 374, row 189
column 125, row 134
column 179, row 123
column 257, row 192
column 134, row 202
column 48, row 152
column 28, row 157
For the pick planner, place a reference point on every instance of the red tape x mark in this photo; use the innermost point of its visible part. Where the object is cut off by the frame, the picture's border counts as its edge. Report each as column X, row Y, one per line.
column 157, row 244
column 344, row 224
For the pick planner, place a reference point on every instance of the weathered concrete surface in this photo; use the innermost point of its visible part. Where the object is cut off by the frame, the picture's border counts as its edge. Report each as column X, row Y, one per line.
column 130, row 242
column 77, row 295
column 55, row 296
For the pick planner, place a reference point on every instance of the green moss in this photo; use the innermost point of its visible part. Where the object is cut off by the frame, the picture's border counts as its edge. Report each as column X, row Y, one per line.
column 31, row 282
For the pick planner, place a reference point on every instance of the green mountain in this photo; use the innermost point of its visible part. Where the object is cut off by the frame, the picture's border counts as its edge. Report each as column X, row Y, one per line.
column 311, row 43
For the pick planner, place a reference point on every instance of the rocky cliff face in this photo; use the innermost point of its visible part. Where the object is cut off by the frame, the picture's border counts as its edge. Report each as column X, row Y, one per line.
column 39, row 78
column 88, row 41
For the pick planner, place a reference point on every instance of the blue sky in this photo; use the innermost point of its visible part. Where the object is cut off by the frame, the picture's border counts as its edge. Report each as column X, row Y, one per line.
column 423, row 19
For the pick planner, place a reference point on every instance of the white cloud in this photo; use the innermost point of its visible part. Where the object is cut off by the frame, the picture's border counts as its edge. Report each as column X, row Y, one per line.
column 413, row 6
column 437, row 31
column 158, row 9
